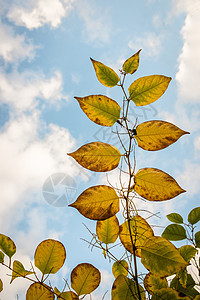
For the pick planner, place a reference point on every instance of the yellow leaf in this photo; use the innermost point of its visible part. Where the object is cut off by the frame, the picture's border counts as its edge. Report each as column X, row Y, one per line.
column 156, row 185
column 105, row 75
column 85, row 278
column 69, row 295
column 140, row 232
column 148, row 89
column 50, row 256
column 97, row 202
column 153, row 283
column 18, row 270
column 125, row 289
column 7, row 245
column 132, row 63
column 166, row 294
column 1, row 285
column 108, row 230
column 37, row 291
column 120, row 267
column 161, row 257
column 100, row 109
column 97, row 156
column 157, row 135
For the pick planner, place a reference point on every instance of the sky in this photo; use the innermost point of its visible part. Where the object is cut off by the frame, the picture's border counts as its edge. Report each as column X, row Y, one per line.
column 44, row 63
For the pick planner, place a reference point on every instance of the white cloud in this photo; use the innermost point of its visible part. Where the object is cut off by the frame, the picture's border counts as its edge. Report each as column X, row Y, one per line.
column 150, row 43
column 35, row 14
column 14, row 47
column 22, row 90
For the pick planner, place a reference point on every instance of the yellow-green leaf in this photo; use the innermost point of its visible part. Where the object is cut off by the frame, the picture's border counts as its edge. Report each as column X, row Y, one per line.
column 187, row 252
column 182, row 277
column 189, row 290
column 166, row 294
column 97, row 202
column 148, row 89
column 197, row 239
column 120, row 267
column 175, row 218
column 161, row 257
column 194, row 215
column 153, row 283
column 132, row 63
column 100, row 109
column 197, row 297
column 105, row 75
column 97, row 156
column 174, row 232
column 125, row 289
column 156, row 185
column 1, row 257
column 1, row 285
column 49, row 256
column 7, row 245
column 18, row 270
column 140, row 232
column 157, row 135
column 69, row 295
column 85, row 278
column 108, row 230
column 37, row 291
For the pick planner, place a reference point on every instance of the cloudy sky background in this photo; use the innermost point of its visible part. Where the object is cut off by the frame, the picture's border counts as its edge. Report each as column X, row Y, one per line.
column 44, row 63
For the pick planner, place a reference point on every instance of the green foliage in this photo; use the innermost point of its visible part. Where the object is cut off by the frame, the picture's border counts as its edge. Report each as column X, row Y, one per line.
column 194, row 216
column 174, row 232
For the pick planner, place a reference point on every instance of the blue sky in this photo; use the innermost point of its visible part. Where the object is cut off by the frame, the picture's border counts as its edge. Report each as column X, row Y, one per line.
column 44, row 63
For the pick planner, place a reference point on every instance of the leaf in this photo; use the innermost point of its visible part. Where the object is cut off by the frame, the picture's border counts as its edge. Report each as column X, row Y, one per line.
column 7, row 245
column 66, row 295
column 174, row 217
column 85, row 278
column 97, row 202
column 132, row 63
column 108, row 230
column 157, row 135
column 140, row 232
column 189, row 290
column 161, row 257
column 1, row 257
column 100, row 109
column 18, row 270
column 120, row 267
column 197, row 297
column 1, row 285
column 49, row 256
column 36, row 291
column 156, row 185
column 187, row 252
column 105, row 75
column 97, row 156
column 153, row 283
column 194, row 215
column 125, row 289
column 182, row 277
column 165, row 294
column 174, row 232
column 148, row 89
column 197, row 239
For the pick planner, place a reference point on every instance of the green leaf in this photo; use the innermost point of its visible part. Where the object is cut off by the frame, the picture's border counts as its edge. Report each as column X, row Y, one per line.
column 108, row 230
column 7, row 245
column 197, row 239
column 1, row 257
column 194, row 216
column 187, row 252
column 125, row 289
column 148, row 89
column 153, row 283
column 97, row 156
column 19, row 271
column 182, row 277
column 1, row 285
column 156, row 185
column 140, row 232
column 174, row 217
column 165, row 294
column 161, row 257
column 66, row 295
column 105, row 75
column 37, row 291
column 97, row 202
column 132, row 63
column 85, row 278
column 189, row 290
column 156, row 135
column 174, row 232
column 120, row 267
column 49, row 256
column 100, row 109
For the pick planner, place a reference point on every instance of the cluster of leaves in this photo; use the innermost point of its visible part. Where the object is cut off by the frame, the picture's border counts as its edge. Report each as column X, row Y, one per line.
column 102, row 202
